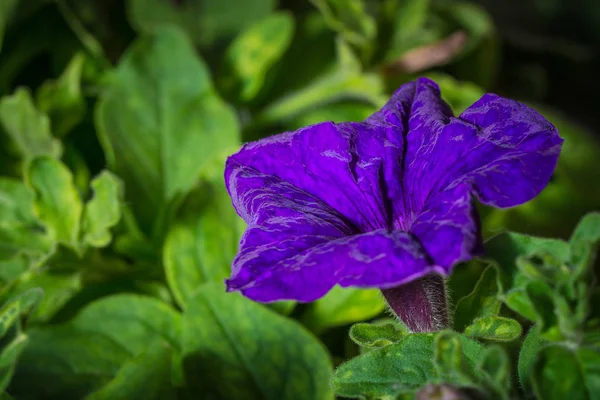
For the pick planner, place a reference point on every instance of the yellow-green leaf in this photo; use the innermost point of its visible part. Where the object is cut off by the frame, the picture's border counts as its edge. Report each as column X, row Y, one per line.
column 253, row 53
column 494, row 328
column 57, row 202
column 103, row 211
column 27, row 127
column 343, row 306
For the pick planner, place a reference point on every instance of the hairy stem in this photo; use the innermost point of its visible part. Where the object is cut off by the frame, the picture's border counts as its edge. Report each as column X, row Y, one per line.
column 420, row 304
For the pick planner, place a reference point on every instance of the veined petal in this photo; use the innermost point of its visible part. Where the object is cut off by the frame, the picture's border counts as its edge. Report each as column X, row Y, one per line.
column 350, row 166
column 448, row 227
column 419, row 109
column 375, row 259
column 297, row 247
column 505, row 150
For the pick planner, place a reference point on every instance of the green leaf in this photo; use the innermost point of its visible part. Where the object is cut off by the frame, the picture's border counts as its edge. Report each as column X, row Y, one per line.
column 495, row 365
column 27, row 127
column 242, row 350
column 132, row 321
column 481, row 302
column 202, row 242
column 13, row 340
column 589, row 359
column 588, row 229
column 351, row 19
column 409, row 18
column 144, row 377
column 22, row 239
column 160, row 123
column 62, row 99
column 66, row 363
column 557, row 375
column 344, row 81
column 449, row 360
column 505, row 248
column 59, row 287
column 205, row 21
column 378, row 334
column 88, row 352
column 6, row 9
column 57, row 202
column 505, row 251
column 103, row 211
column 343, row 306
column 498, row 329
column 529, row 350
column 396, row 369
column 542, row 298
column 251, row 55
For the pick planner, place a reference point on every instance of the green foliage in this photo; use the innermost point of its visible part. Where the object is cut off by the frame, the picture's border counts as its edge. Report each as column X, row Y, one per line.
column 13, row 339
column 62, row 99
column 201, row 242
column 378, row 334
column 160, row 121
column 206, row 22
column 244, row 351
column 27, row 127
column 57, row 203
column 404, row 367
column 498, row 329
column 342, row 306
column 251, row 55
column 117, row 231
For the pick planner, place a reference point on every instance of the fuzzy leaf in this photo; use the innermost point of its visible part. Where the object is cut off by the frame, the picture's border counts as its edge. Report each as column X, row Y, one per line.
column 557, row 375
column 399, row 368
column 498, row 329
column 377, row 334
column 481, row 302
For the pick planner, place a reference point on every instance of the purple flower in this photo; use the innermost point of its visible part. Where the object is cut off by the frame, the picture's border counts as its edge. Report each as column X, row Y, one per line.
column 381, row 202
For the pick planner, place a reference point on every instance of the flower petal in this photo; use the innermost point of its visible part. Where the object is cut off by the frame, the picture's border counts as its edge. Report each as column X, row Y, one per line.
column 506, row 151
column 509, row 151
column 297, row 247
column 448, row 227
column 340, row 164
column 418, row 107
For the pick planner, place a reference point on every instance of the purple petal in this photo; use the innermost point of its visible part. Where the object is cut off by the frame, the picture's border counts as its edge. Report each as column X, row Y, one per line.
column 506, row 151
column 416, row 106
column 509, row 151
column 352, row 167
column 297, row 247
column 448, row 227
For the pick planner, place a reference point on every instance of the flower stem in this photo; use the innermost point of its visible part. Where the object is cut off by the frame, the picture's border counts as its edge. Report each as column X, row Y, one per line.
column 420, row 304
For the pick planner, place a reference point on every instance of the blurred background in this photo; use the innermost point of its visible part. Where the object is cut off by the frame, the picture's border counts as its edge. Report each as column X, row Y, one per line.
column 116, row 118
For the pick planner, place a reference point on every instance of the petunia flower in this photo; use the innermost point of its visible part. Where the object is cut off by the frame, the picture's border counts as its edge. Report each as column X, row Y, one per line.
column 383, row 202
